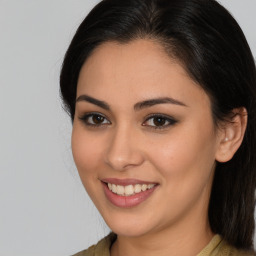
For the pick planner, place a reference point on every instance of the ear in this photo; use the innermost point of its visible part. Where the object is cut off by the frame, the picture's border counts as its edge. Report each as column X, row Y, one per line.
column 231, row 134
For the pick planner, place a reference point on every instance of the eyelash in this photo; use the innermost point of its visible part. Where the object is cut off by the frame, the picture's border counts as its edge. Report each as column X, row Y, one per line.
column 171, row 121
column 86, row 117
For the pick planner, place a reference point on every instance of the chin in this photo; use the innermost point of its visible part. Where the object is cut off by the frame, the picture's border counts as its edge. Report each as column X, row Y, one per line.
column 129, row 231
column 129, row 226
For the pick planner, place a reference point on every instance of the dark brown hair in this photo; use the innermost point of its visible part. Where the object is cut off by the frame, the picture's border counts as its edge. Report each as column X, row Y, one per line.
column 209, row 43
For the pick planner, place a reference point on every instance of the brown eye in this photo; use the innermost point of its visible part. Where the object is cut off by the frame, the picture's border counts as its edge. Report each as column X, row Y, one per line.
column 159, row 122
column 94, row 119
column 97, row 119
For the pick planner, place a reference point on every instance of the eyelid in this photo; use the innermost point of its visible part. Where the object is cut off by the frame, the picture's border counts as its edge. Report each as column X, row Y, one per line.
column 170, row 119
column 84, row 117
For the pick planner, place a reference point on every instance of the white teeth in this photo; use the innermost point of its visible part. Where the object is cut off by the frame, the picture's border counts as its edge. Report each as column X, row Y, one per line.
column 150, row 186
column 113, row 189
column 137, row 188
column 144, row 187
column 129, row 189
column 120, row 190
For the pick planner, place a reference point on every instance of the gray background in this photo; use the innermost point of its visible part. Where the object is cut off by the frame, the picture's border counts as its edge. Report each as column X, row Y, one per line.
column 44, row 209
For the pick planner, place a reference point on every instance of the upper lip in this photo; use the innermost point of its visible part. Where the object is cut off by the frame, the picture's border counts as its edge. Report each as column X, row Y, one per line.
column 125, row 182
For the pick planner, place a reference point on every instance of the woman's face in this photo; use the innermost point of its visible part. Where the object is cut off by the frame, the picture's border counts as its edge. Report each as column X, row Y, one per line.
column 143, row 139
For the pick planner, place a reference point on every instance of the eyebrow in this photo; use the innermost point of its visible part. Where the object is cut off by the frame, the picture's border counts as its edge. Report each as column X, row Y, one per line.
column 152, row 102
column 138, row 106
column 94, row 101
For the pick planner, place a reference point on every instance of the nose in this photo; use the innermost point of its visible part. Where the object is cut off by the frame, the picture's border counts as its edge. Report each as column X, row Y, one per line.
column 123, row 150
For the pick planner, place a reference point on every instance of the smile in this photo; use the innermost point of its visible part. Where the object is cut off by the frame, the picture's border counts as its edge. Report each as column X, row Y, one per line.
column 127, row 193
column 129, row 190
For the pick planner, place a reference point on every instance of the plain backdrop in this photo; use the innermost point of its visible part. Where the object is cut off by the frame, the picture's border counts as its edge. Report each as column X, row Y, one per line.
column 44, row 210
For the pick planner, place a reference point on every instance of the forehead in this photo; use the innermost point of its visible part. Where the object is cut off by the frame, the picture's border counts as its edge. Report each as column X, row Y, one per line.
column 139, row 69
column 138, row 58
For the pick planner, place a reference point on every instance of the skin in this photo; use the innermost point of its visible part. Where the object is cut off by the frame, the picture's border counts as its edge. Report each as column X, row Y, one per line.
column 180, row 158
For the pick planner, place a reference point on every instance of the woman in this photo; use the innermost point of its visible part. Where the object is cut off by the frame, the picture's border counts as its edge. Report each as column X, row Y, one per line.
column 162, row 98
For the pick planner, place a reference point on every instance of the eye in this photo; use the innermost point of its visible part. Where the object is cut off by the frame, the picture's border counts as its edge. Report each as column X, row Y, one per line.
column 94, row 119
column 159, row 121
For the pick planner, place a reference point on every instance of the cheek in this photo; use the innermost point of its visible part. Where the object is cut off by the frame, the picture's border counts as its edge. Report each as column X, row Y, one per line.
column 185, row 163
column 86, row 153
column 187, row 153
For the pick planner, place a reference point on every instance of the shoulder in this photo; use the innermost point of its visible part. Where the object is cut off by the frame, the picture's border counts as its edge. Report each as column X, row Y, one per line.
column 228, row 250
column 218, row 246
column 89, row 252
column 102, row 248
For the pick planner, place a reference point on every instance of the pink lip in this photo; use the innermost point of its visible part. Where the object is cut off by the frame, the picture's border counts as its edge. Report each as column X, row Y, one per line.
column 126, row 201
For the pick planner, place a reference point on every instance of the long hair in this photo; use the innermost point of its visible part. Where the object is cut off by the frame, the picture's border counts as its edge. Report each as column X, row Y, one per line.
column 212, row 48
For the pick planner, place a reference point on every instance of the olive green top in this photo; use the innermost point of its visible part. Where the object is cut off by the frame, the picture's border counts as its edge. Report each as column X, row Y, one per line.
column 216, row 247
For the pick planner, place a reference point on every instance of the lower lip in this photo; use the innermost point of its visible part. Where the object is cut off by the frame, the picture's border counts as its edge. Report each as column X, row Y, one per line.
column 127, row 201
